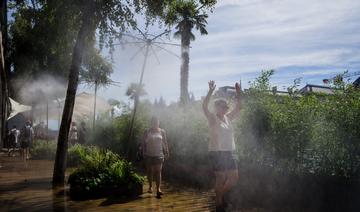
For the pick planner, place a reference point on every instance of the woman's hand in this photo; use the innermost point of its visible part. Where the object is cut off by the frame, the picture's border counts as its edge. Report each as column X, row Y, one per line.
column 236, row 109
column 212, row 85
column 208, row 114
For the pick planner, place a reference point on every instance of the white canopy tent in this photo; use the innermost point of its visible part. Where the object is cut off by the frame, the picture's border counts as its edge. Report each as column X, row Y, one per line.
column 16, row 108
column 83, row 108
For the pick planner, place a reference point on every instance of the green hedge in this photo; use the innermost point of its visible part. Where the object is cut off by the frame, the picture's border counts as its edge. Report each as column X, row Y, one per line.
column 316, row 134
column 299, row 134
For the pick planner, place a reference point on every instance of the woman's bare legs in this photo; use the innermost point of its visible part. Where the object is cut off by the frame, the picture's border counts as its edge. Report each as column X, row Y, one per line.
column 23, row 154
column 232, row 177
column 225, row 180
column 27, row 153
column 219, row 185
column 157, row 171
column 149, row 172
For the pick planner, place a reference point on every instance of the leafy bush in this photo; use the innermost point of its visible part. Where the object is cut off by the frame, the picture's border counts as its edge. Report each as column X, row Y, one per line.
column 300, row 134
column 113, row 133
column 76, row 153
column 42, row 149
column 102, row 172
column 317, row 134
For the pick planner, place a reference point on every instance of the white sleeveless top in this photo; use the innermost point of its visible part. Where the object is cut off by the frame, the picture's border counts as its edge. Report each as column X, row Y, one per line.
column 222, row 136
column 154, row 144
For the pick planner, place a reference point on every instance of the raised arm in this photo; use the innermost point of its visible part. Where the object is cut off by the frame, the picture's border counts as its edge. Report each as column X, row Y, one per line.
column 232, row 115
column 205, row 105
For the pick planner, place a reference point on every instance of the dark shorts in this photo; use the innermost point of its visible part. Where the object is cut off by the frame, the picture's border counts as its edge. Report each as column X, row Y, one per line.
column 223, row 160
column 151, row 161
column 12, row 144
column 25, row 144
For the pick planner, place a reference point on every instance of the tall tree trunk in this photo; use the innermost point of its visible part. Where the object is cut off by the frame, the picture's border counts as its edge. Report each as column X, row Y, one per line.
column 94, row 117
column 86, row 31
column 4, row 29
column 4, row 95
column 129, row 145
column 4, row 102
column 184, row 69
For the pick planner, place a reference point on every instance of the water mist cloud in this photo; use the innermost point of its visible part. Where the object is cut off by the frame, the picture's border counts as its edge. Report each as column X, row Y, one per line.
column 35, row 91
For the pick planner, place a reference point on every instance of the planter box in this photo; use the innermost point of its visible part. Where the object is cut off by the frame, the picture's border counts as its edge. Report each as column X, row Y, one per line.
column 79, row 193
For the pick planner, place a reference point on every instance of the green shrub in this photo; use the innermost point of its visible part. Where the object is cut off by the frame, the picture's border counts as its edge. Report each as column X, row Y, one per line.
column 43, row 150
column 76, row 154
column 113, row 133
column 317, row 134
column 298, row 134
column 102, row 172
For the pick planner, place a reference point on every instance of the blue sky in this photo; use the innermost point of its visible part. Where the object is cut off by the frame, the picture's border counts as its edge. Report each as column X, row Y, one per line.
column 311, row 39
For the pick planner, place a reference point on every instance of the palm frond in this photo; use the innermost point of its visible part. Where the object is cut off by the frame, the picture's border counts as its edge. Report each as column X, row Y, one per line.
column 192, row 36
column 177, row 34
column 203, row 31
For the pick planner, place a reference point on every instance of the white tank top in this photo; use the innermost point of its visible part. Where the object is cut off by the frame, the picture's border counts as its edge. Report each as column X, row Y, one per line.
column 222, row 136
column 154, row 144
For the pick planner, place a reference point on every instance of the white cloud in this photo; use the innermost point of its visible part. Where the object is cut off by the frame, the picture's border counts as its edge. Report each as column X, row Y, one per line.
column 248, row 36
column 316, row 72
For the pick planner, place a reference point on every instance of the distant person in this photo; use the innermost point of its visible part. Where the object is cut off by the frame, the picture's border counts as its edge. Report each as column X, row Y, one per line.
column 82, row 133
column 155, row 149
column 40, row 130
column 73, row 135
column 26, row 141
column 14, row 134
column 222, row 145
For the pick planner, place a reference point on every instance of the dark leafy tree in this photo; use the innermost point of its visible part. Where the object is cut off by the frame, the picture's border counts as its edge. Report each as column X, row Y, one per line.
column 109, row 17
column 42, row 36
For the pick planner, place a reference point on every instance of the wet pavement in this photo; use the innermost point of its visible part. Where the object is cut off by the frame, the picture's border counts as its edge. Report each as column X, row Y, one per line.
column 26, row 186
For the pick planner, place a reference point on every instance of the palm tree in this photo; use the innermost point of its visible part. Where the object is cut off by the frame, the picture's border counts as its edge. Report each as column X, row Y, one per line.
column 96, row 73
column 134, row 91
column 187, row 15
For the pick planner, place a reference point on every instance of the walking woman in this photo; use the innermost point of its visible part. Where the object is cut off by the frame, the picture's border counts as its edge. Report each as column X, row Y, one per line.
column 222, row 145
column 73, row 134
column 27, row 139
column 155, row 149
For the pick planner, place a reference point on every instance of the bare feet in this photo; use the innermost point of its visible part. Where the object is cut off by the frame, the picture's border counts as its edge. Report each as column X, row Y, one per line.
column 150, row 190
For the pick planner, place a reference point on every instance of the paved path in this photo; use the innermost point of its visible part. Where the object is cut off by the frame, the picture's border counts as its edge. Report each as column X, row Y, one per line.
column 25, row 186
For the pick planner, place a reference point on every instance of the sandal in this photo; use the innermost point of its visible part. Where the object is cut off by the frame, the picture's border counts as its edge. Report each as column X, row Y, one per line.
column 158, row 195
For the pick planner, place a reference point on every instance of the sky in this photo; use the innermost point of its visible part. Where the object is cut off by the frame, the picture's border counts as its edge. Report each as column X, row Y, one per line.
column 308, row 39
